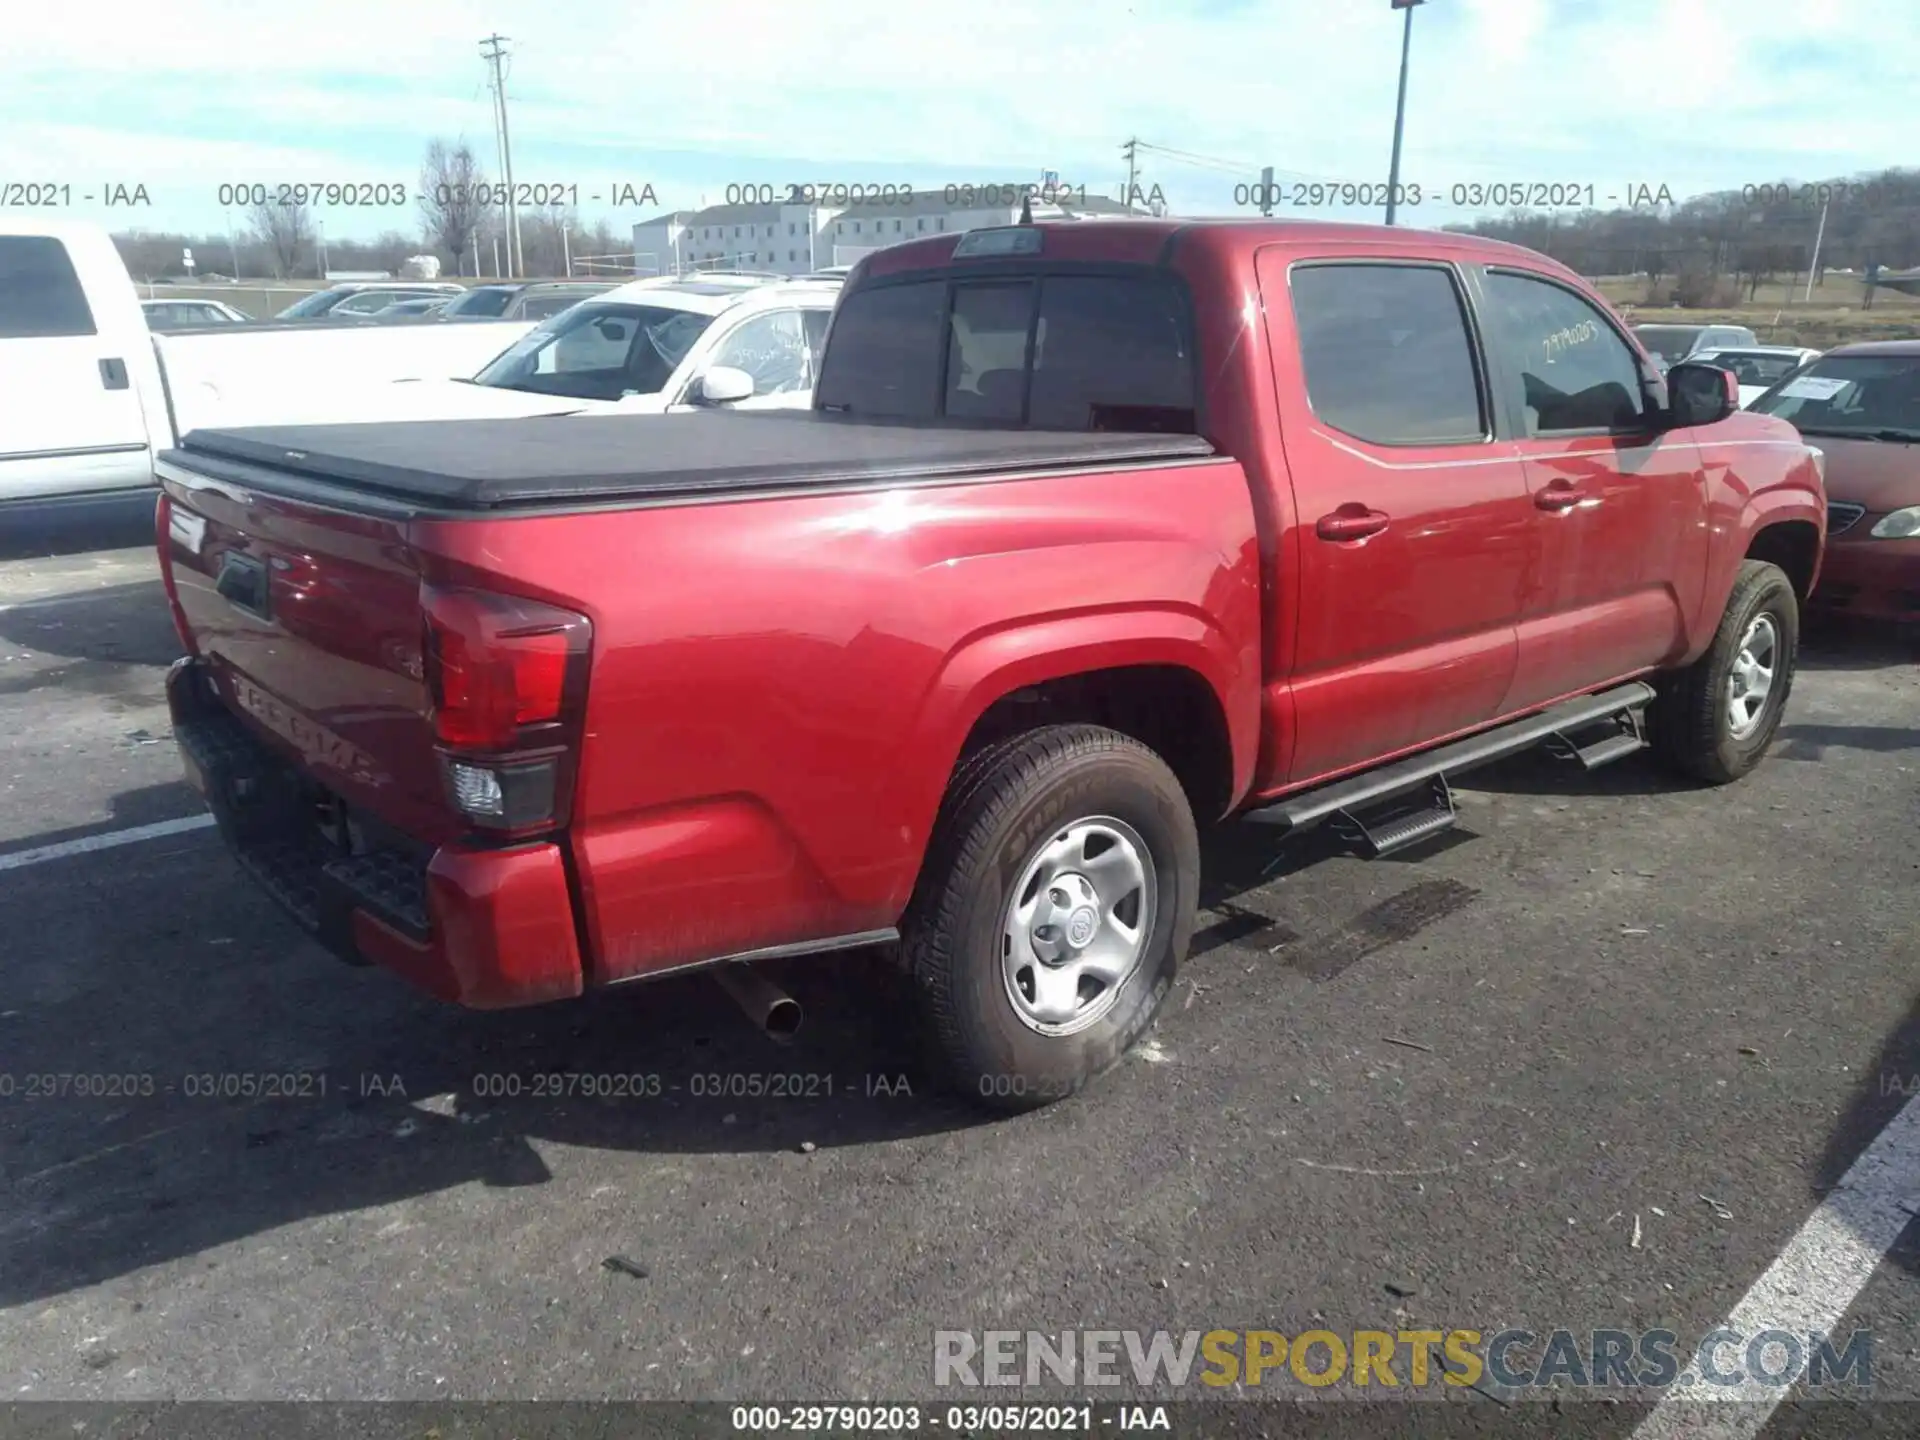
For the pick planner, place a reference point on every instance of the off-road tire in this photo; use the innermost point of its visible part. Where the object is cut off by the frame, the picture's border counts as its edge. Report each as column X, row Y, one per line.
column 1692, row 732
column 1003, row 803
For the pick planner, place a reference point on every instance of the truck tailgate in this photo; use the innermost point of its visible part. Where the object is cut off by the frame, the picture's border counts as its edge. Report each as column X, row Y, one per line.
column 310, row 623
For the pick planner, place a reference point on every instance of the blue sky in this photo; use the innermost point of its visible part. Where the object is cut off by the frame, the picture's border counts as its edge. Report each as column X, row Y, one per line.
column 694, row 97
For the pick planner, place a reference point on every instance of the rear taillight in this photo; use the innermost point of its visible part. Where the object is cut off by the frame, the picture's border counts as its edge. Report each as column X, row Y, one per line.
column 163, row 532
column 507, row 682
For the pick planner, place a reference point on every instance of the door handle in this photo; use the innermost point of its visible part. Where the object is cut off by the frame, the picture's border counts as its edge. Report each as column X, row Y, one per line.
column 1561, row 496
column 113, row 374
column 1352, row 521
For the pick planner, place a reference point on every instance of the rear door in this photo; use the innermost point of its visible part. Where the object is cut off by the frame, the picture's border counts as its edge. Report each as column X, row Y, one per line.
column 70, row 416
column 1619, row 505
column 1416, row 525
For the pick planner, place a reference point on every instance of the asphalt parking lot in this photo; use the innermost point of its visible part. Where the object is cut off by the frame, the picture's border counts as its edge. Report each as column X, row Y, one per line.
column 1448, row 1091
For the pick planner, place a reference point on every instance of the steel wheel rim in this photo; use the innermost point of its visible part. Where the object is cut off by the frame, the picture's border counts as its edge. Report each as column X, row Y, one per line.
column 1750, row 681
column 1077, row 925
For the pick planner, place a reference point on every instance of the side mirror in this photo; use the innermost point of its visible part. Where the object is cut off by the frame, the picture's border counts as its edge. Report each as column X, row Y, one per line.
column 723, row 384
column 1699, row 394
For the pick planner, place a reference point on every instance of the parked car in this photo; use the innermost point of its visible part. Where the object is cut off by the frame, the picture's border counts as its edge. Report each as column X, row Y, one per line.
column 957, row 662
column 88, row 391
column 1670, row 344
column 527, row 300
column 1757, row 367
column 543, row 302
column 411, row 309
column 374, row 303
column 644, row 348
column 186, row 314
column 346, row 297
column 1861, row 405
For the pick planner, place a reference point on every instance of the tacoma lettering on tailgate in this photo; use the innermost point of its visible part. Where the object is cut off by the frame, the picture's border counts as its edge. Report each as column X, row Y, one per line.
column 317, row 745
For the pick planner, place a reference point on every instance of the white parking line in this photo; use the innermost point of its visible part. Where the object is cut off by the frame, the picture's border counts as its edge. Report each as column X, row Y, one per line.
column 1809, row 1287
column 20, row 859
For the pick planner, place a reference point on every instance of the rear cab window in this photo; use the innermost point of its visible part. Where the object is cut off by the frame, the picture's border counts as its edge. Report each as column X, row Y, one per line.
column 40, row 294
column 1061, row 349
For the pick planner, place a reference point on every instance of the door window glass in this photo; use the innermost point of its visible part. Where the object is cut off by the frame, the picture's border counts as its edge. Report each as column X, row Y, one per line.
column 1386, row 353
column 1574, row 372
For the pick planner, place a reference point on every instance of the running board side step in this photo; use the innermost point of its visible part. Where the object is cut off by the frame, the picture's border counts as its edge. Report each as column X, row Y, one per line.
column 1402, row 829
column 1623, row 705
column 1629, row 735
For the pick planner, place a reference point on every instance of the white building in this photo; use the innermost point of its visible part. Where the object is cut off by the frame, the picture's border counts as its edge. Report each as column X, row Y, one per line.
column 799, row 239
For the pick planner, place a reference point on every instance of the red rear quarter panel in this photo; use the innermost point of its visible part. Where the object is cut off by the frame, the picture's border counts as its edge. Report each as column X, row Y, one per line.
column 780, row 687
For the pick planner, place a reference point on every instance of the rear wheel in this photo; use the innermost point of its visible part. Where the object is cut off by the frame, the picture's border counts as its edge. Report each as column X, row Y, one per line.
column 1057, row 901
column 1714, row 720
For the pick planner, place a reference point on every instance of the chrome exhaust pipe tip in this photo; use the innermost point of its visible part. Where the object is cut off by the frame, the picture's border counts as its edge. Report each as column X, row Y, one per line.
column 777, row 1014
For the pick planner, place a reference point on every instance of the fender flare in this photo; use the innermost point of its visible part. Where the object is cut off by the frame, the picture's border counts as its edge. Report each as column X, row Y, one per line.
column 1774, row 507
column 988, row 666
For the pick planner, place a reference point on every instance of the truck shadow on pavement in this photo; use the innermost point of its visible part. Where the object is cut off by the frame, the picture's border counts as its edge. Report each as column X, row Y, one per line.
column 251, row 1082
column 148, row 805
column 104, row 631
column 1832, row 643
column 73, row 527
column 1888, row 1084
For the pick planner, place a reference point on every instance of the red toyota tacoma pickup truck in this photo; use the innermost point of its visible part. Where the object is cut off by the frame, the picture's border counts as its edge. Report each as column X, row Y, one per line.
column 1096, row 532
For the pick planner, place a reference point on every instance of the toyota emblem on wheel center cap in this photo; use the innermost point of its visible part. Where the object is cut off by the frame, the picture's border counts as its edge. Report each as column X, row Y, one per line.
column 1081, row 925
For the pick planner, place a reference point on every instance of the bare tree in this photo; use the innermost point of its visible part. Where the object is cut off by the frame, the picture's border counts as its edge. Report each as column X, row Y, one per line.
column 452, row 198
column 285, row 230
column 547, row 236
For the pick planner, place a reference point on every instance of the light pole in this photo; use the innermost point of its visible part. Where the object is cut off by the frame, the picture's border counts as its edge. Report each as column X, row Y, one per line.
column 1400, row 110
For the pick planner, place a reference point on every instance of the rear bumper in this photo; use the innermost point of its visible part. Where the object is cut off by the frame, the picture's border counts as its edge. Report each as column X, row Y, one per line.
column 487, row 928
column 1875, row 579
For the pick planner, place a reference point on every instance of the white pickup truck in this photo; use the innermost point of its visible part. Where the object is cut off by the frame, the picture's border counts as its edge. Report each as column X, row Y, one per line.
column 88, row 392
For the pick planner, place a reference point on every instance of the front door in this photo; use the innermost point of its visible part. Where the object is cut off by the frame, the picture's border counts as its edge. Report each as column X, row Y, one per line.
column 1619, row 504
column 1415, row 522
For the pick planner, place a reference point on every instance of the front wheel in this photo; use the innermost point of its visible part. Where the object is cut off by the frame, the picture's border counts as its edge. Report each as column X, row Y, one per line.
column 1056, row 903
column 1714, row 720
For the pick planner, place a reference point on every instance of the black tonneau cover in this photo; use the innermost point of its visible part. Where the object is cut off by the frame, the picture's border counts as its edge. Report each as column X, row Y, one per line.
column 494, row 464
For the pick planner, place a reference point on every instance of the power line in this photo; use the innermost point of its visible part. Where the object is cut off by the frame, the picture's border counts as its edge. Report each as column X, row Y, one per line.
column 1230, row 167
column 494, row 55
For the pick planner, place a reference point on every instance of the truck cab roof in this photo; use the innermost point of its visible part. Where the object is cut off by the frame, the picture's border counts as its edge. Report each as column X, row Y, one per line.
column 1153, row 241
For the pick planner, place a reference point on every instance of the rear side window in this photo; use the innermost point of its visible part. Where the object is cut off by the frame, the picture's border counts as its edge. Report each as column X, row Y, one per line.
column 40, row 296
column 1387, row 354
column 884, row 358
column 1101, row 352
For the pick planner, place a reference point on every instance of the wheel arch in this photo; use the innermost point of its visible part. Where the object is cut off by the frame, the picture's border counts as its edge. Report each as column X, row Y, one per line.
column 1168, row 677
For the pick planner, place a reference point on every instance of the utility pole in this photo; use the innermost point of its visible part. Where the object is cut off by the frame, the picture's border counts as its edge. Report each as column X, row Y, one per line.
column 1400, row 110
column 1129, row 150
column 1266, row 191
column 495, row 54
column 1813, row 270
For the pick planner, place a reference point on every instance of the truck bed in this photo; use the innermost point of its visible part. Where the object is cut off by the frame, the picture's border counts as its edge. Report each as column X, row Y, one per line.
column 452, row 466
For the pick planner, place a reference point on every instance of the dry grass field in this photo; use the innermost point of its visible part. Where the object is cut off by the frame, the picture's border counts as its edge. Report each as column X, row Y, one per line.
column 1781, row 314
